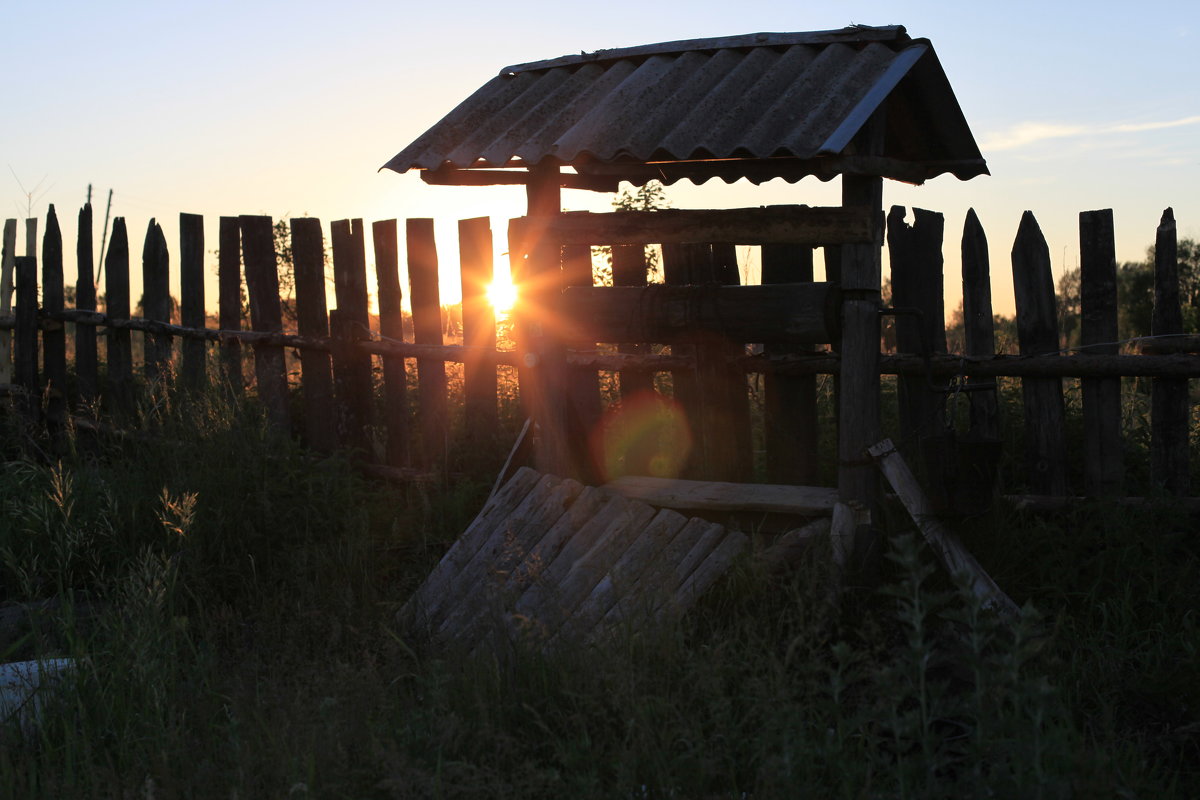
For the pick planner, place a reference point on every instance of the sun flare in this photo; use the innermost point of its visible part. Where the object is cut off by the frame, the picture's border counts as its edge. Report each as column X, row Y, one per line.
column 502, row 294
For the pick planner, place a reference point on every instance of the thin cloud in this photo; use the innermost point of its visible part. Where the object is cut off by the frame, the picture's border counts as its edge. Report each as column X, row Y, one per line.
column 1027, row 133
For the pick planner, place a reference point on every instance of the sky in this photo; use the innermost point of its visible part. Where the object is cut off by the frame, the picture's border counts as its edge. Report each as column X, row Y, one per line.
column 290, row 108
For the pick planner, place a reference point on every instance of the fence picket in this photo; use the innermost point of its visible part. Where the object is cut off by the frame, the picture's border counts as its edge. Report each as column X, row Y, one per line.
column 478, row 328
column 978, row 326
column 312, row 319
column 229, row 287
column 119, row 350
column 262, row 284
column 351, row 366
column 427, row 329
column 7, row 268
column 1103, row 460
column 25, row 344
column 1037, row 329
column 54, row 338
column 1169, row 403
column 191, row 299
column 156, row 305
column 391, row 327
column 86, row 362
column 583, row 384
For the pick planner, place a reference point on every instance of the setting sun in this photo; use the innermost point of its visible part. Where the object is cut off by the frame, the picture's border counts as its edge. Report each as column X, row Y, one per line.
column 502, row 294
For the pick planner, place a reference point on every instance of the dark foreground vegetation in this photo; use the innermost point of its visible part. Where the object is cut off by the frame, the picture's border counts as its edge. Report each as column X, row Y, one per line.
column 228, row 600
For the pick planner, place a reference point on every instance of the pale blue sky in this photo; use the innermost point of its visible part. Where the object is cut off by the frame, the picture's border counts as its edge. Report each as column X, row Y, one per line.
column 290, row 108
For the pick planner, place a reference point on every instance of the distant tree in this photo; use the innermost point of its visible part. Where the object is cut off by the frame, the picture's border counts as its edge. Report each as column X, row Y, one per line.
column 651, row 197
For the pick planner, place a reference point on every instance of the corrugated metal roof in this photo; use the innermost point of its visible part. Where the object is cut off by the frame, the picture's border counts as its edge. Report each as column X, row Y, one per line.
column 757, row 106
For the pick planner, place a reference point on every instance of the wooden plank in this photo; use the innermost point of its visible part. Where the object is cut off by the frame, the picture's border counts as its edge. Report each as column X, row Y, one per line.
column 312, row 319
column 229, row 287
column 790, row 401
column 514, row 177
column 1037, row 329
column 768, row 225
column 978, row 324
column 784, row 313
column 424, row 292
column 87, row 365
column 54, row 342
column 1103, row 458
column 156, row 305
column 688, row 495
column 417, row 611
column 706, row 573
column 583, row 381
column 619, row 581
column 391, row 327
column 628, row 270
column 1170, row 409
column 352, row 381
column 946, row 546
column 266, row 314
column 678, row 270
column 916, row 260
column 479, row 329
column 7, row 270
column 193, row 366
column 119, row 350
column 25, row 339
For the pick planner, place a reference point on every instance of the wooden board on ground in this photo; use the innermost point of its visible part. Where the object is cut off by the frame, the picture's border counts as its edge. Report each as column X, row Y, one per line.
column 549, row 561
column 687, row 495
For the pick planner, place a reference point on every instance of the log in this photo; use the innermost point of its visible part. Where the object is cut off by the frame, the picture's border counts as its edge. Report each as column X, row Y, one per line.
column 1103, row 467
column 266, row 315
column 229, row 288
column 312, row 320
column 1170, row 408
column 1037, row 329
column 708, row 496
column 193, row 361
column 956, row 559
column 391, row 328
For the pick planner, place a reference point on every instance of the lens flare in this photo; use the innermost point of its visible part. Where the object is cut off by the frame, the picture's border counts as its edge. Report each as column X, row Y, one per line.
column 647, row 434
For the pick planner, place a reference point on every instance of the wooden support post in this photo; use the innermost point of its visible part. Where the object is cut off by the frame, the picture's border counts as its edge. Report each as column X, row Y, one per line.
column 916, row 258
column 790, row 415
column 193, row 366
column 229, row 283
column 119, row 351
column 54, row 342
column 87, row 369
column 156, row 306
column 425, row 296
column 479, row 331
column 25, row 349
column 391, row 328
column 312, row 319
column 351, row 366
column 1103, row 461
column 1169, row 404
column 858, row 385
column 1037, row 329
column 262, row 284
column 978, row 325
column 7, row 270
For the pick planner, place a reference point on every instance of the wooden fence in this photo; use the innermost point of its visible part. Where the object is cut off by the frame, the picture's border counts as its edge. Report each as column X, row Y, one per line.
column 705, row 373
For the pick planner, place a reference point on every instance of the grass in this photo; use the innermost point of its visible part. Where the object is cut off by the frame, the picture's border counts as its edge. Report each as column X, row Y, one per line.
column 228, row 597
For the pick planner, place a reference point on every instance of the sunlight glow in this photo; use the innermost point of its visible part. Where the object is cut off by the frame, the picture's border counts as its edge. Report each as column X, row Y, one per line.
column 502, row 294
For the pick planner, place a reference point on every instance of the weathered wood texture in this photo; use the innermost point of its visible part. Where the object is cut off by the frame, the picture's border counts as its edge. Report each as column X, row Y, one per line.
column 266, row 315
column 1169, row 403
column 790, row 414
column 8, row 262
column 391, row 328
column 87, row 369
column 770, row 225
column 192, row 365
column 1037, row 330
column 424, row 292
column 548, row 561
column 156, row 305
column 583, row 381
column 916, row 260
column 628, row 271
column 229, row 299
column 1103, row 450
column 54, row 342
column 312, row 319
column 950, row 551
column 688, row 495
column 479, row 328
column 119, row 349
column 978, row 325
column 351, row 324
column 25, row 341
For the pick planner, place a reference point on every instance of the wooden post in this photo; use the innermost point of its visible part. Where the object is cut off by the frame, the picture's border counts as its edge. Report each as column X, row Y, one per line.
column 312, row 319
column 87, row 369
column 1037, row 329
column 54, row 342
column 156, row 305
column 351, row 366
column 1103, row 467
column 479, row 329
column 583, row 384
column 119, row 351
column 391, row 327
column 1169, row 403
column 25, row 350
column 916, row 258
column 262, row 284
column 425, row 296
column 979, row 328
column 790, row 401
column 229, row 284
column 7, row 267
column 191, row 299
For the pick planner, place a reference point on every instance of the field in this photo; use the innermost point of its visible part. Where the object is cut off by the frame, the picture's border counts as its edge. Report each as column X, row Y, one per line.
column 228, row 599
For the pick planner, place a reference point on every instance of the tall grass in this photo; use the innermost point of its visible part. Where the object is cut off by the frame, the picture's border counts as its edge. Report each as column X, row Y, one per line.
column 228, row 599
